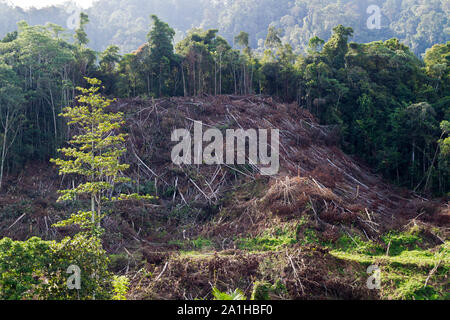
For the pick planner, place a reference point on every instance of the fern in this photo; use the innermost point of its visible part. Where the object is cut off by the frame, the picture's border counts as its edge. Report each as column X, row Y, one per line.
column 235, row 295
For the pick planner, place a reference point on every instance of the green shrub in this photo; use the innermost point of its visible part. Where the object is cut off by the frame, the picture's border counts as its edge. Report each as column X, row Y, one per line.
column 87, row 253
column 37, row 269
column 201, row 243
column 231, row 295
column 120, row 287
column 358, row 245
column 261, row 290
column 399, row 242
column 118, row 262
column 22, row 266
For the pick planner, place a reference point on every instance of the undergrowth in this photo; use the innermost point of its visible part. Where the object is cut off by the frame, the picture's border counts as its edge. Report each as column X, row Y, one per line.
column 407, row 271
column 411, row 268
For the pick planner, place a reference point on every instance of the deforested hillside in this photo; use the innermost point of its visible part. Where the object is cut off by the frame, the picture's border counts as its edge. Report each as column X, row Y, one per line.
column 225, row 150
column 309, row 232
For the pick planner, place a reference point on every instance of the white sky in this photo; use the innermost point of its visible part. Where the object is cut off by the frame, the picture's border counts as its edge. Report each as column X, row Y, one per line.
column 43, row 3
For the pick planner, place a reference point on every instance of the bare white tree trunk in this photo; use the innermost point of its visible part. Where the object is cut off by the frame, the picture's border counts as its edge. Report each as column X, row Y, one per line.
column 5, row 134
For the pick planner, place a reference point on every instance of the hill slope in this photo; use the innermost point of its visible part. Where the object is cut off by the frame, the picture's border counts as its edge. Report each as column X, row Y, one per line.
column 309, row 232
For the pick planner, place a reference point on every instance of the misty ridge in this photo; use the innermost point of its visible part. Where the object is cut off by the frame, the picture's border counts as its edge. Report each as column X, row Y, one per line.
column 418, row 23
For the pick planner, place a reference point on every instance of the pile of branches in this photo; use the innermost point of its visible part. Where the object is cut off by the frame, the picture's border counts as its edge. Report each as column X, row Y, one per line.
column 312, row 167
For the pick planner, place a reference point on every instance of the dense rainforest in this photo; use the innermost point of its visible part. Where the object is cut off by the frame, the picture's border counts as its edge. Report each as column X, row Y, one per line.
column 382, row 95
column 390, row 106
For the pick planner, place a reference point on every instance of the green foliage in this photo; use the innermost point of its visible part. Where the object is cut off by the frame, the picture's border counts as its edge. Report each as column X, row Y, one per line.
column 264, row 243
column 336, row 48
column 201, row 243
column 413, row 289
column 109, row 58
column 385, row 101
column 273, row 39
column 263, row 290
column 444, row 144
column 358, row 245
column 11, row 117
column 315, row 45
column 21, row 265
column 407, row 272
column 418, row 275
column 120, row 287
column 118, row 262
column 108, row 68
column 399, row 242
column 231, row 295
column 80, row 33
column 86, row 252
column 418, row 23
column 42, row 65
column 94, row 154
column 242, row 39
column 36, row 269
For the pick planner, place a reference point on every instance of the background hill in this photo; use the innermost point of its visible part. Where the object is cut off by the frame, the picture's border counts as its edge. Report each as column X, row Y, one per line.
column 419, row 23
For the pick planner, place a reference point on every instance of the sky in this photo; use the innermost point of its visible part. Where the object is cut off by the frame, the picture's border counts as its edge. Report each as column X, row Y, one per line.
column 43, row 3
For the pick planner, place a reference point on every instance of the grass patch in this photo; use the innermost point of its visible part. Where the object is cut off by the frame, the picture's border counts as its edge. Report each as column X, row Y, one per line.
column 196, row 254
column 401, row 241
column 408, row 272
column 264, row 243
column 357, row 245
column 309, row 237
column 202, row 243
column 272, row 239
column 199, row 244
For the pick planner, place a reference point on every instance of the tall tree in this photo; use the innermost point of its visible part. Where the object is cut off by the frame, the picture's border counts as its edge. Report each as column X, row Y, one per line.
column 11, row 109
column 273, row 39
column 337, row 46
column 109, row 59
column 160, row 39
column 95, row 155
column 80, row 33
column 315, row 45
